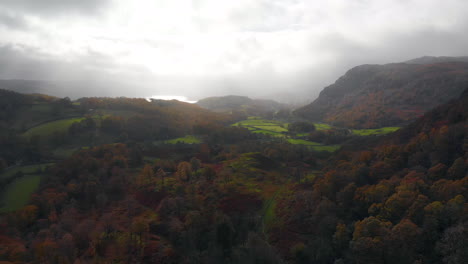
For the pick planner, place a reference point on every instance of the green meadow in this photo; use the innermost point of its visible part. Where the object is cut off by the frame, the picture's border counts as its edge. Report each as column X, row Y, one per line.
column 326, row 148
column 267, row 132
column 314, row 145
column 30, row 169
column 64, row 152
column 302, row 142
column 51, row 127
column 322, row 126
column 18, row 193
column 262, row 126
column 279, row 129
column 376, row 131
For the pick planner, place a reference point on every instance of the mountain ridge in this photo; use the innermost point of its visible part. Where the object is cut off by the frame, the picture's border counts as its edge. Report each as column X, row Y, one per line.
column 435, row 59
column 370, row 96
column 242, row 104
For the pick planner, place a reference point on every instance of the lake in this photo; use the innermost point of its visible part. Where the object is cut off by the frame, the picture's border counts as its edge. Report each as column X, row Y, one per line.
column 171, row 97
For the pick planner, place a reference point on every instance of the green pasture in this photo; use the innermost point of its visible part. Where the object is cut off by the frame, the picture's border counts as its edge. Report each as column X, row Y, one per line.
column 18, row 193
column 273, row 128
column 375, row 131
column 314, row 145
column 30, row 169
column 322, row 126
column 278, row 129
column 257, row 122
column 267, row 132
column 253, row 123
column 262, row 126
column 302, row 142
column 65, row 152
column 326, row 148
column 50, row 127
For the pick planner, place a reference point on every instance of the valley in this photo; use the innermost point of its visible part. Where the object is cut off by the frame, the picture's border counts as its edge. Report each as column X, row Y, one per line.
column 233, row 132
column 234, row 179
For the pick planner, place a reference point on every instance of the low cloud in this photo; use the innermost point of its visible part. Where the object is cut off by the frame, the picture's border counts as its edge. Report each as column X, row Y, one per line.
column 269, row 49
column 13, row 21
column 46, row 8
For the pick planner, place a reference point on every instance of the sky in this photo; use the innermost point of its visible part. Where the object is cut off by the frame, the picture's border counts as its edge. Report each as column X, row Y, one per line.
column 282, row 49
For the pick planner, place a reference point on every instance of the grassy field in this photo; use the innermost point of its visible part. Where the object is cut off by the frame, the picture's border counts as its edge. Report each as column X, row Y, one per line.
column 64, row 152
column 18, row 193
column 266, row 132
column 24, row 169
column 376, row 131
column 50, row 127
column 273, row 128
column 302, row 142
column 314, row 145
column 278, row 129
column 257, row 124
column 327, row 148
column 186, row 140
column 322, row 126
column 262, row 126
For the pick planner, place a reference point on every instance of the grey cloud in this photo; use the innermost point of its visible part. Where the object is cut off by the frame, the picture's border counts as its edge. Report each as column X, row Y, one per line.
column 98, row 74
column 22, row 62
column 13, row 21
column 92, row 74
column 47, row 8
column 30, row 64
column 265, row 16
column 401, row 47
column 393, row 47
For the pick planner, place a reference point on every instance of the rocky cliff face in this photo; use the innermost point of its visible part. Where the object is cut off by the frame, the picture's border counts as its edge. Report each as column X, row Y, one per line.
column 371, row 96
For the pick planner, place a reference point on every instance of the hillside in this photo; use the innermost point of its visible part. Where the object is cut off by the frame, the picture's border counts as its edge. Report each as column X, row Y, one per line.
column 370, row 96
column 242, row 104
column 402, row 201
column 36, row 128
column 25, row 86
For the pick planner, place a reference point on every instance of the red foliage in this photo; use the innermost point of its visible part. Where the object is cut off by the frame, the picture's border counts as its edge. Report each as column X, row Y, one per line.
column 11, row 248
column 240, row 203
column 149, row 198
column 217, row 167
column 284, row 240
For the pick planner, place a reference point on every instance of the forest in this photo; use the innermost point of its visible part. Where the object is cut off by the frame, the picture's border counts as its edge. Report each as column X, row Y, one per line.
column 126, row 180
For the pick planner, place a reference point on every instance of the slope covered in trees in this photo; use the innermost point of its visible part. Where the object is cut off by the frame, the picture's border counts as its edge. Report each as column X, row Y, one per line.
column 372, row 96
column 402, row 201
column 242, row 105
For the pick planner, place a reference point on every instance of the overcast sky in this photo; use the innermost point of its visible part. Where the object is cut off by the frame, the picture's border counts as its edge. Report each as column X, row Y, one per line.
column 214, row 47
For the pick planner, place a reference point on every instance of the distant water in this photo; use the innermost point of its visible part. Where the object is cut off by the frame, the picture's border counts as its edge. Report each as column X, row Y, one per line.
column 171, row 97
